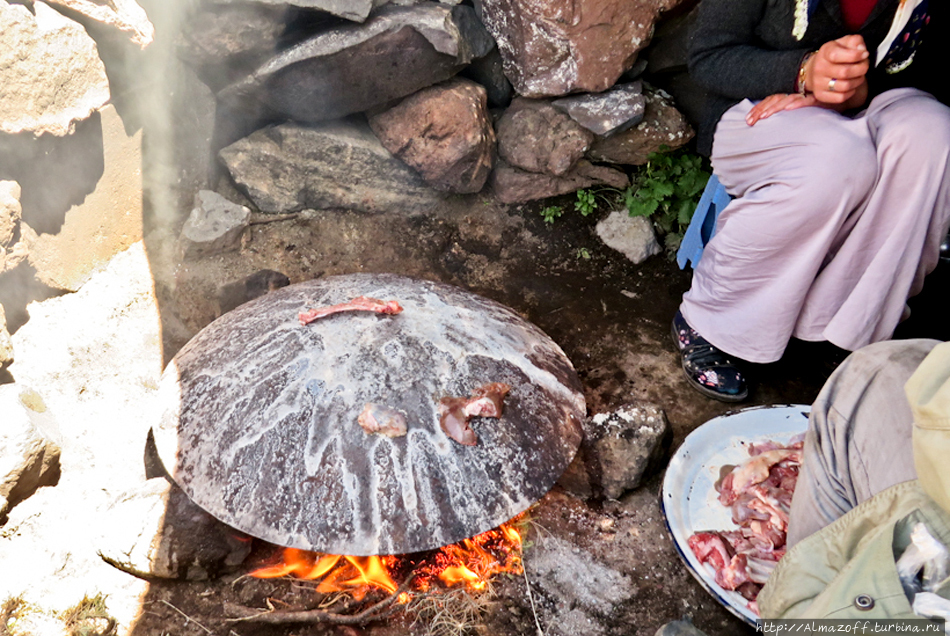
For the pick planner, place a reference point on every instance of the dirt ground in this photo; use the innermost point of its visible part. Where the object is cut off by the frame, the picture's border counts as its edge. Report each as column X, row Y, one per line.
column 611, row 317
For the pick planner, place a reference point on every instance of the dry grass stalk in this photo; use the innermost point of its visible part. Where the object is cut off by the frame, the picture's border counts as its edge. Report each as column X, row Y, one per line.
column 451, row 613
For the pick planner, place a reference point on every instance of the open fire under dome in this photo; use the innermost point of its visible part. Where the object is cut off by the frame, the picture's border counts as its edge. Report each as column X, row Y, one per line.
column 260, row 426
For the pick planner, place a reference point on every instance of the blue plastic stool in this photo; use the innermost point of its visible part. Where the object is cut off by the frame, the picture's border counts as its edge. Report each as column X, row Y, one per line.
column 702, row 227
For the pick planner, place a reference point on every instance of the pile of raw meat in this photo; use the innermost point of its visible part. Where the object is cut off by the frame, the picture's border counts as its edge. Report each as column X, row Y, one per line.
column 759, row 492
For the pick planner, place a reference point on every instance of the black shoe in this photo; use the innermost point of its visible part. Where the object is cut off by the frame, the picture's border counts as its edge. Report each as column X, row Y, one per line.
column 709, row 370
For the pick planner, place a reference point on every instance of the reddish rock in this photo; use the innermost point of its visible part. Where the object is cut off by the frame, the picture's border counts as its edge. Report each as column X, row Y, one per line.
column 512, row 185
column 535, row 136
column 565, row 46
column 444, row 133
column 662, row 125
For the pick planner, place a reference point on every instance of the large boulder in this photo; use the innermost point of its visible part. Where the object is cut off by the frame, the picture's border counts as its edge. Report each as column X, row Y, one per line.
column 566, row 46
column 125, row 15
column 443, row 132
column 154, row 530
column 352, row 68
column 662, row 125
column 106, row 222
column 226, row 42
column 513, row 185
column 292, row 167
column 536, row 137
column 29, row 458
column 50, row 72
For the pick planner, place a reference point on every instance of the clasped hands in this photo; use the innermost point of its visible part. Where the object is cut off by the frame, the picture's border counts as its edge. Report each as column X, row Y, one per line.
column 835, row 78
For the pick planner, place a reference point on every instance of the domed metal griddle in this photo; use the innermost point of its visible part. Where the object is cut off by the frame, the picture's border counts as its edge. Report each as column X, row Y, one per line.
column 260, row 424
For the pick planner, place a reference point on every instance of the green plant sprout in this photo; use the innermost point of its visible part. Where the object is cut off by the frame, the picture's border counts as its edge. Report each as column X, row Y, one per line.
column 666, row 191
column 551, row 213
column 586, row 202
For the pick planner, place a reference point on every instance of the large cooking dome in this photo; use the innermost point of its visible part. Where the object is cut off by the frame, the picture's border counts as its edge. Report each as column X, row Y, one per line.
column 261, row 427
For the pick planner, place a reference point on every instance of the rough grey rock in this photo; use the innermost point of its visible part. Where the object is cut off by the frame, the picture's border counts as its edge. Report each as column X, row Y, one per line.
column 340, row 164
column 535, row 136
column 238, row 36
column 512, row 185
column 662, row 125
column 29, row 458
column 215, row 225
column 489, row 72
column 619, row 450
column 156, row 531
column 606, row 113
column 633, row 73
column 352, row 68
column 631, row 235
column 583, row 591
column 560, row 47
column 125, row 15
column 353, row 10
column 443, row 132
column 50, row 72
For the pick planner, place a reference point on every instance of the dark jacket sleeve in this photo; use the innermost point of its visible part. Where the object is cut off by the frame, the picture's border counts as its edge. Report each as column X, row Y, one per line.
column 727, row 57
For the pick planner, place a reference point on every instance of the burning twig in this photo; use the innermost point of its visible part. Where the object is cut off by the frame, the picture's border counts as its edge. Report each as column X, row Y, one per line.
column 361, row 303
column 380, row 610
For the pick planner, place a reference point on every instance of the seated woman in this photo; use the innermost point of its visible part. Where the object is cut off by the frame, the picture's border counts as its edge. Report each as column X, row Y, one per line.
column 827, row 122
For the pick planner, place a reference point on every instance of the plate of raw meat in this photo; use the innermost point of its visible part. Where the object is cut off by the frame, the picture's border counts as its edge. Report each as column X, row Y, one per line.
column 725, row 499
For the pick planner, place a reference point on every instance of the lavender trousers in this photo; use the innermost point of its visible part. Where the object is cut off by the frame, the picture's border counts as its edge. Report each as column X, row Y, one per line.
column 835, row 223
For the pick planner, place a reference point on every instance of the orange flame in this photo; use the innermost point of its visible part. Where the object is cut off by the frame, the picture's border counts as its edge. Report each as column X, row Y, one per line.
column 470, row 563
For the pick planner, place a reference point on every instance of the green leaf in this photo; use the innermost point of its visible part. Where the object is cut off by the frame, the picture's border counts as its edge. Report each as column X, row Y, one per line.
column 642, row 207
column 684, row 212
column 661, row 189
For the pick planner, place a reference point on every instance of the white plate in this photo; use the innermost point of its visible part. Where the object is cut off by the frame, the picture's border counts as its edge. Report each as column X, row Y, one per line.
column 689, row 500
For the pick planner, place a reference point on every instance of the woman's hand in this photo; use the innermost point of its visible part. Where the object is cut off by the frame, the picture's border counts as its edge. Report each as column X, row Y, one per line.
column 836, row 72
column 778, row 102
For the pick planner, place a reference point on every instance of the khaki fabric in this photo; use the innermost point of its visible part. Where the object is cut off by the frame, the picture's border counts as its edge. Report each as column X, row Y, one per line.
column 928, row 392
column 821, row 576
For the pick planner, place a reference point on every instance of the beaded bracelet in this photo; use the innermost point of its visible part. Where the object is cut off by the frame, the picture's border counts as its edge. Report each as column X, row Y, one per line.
column 801, row 73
